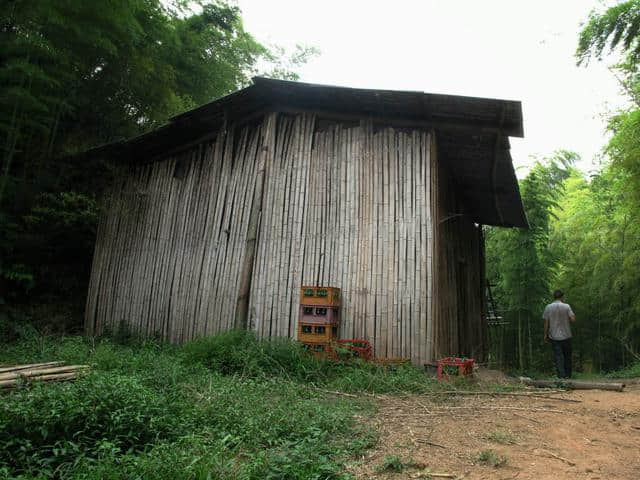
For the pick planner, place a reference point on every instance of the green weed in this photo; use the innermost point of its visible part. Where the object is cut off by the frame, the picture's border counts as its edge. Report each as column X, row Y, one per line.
column 489, row 457
column 393, row 463
column 502, row 438
column 240, row 353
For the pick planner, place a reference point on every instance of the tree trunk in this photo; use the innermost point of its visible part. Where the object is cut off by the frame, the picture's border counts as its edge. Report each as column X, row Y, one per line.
column 520, row 342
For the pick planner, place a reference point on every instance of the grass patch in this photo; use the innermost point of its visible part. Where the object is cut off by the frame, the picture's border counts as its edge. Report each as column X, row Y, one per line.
column 229, row 406
column 632, row 371
column 156, row 411
column 503, row 438
column 489, row 457
column 393, row 463
column 240, row 353
column 234, row 353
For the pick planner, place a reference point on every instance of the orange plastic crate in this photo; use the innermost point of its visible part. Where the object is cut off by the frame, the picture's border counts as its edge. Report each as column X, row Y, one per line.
column 314, row 333
column 360, row 348
column 323, row 296
column 319, row 314
column 392, row 361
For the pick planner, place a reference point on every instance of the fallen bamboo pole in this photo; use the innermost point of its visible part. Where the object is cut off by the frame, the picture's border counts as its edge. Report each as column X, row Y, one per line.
column 14, row 368
column 510, row 394
column 438, row 410
column 573, row 384
column 547, row 453
column 42, row 371
column 526, row 418
column 58, row 377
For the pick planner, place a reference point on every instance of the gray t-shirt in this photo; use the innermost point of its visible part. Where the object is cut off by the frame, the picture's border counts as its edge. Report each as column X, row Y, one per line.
column 558, row 314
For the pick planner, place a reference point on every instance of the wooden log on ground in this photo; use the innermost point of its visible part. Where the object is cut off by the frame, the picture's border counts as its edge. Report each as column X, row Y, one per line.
column 573, row 384
column 15, row 368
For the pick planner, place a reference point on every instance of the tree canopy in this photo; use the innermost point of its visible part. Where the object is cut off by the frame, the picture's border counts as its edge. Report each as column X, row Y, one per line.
column 617, row 26
column 74, row 75
column 585, row 230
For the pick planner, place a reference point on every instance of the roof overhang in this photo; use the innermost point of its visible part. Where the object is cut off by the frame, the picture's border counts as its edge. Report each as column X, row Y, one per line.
column 472, row 133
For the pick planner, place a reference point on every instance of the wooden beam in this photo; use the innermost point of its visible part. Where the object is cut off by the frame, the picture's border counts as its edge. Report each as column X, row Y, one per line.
column 494, row 168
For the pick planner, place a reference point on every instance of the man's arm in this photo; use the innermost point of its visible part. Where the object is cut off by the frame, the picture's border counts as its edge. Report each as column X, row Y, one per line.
column 572, row 316
column 546, row 329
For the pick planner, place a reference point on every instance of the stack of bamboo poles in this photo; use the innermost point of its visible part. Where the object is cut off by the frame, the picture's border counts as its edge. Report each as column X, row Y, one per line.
column 46, row 372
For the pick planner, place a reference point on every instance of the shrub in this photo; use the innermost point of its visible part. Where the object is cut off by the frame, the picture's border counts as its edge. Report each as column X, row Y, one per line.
column 47, row 426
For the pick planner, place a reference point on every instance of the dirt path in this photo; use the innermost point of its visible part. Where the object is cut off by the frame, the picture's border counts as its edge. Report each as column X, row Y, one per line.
column 527, row 438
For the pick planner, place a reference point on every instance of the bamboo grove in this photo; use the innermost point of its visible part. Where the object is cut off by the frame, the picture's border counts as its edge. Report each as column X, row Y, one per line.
column 584, row 239
column 75, row 75
column 586, row 233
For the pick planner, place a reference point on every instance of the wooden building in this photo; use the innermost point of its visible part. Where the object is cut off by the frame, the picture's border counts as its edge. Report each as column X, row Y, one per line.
column 221, row 215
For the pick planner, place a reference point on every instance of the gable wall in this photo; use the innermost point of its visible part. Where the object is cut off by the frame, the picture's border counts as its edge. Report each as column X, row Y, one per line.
column 339, row 204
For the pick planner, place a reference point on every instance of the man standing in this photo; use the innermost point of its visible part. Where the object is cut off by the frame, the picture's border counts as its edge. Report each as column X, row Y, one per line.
column 557, row 316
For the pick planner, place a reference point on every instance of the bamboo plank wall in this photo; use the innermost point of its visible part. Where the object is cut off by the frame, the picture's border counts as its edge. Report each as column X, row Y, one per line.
column 170, row 244
column 459, row 325
column 346, row 205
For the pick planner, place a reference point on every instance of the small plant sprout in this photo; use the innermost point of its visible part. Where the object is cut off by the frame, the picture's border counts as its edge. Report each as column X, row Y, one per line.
column 503, row 438
column 393, row 463
column 489, row 457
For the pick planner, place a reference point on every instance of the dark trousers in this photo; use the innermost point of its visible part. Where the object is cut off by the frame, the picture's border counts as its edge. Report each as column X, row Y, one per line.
column 562, row 356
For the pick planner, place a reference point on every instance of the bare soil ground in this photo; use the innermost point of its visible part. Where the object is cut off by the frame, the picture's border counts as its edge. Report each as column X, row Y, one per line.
column 529, row 438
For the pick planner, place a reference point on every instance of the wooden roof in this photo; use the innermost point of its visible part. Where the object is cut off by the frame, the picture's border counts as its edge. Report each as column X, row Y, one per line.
column 472, row 133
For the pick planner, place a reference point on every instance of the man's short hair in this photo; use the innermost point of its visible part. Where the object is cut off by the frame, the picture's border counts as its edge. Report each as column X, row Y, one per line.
column 558, row 294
